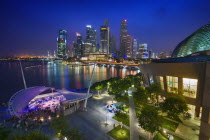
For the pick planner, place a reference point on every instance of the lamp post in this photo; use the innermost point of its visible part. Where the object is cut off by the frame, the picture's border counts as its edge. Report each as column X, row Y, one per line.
column 106, row 118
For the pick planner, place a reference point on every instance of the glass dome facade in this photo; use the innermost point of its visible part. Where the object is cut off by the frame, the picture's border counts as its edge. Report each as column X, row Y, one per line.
column 198, row 41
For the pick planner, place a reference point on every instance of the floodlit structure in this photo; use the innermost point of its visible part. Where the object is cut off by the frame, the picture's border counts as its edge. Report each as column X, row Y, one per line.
column 62, row 44
column 189, row 76
column 187, row 73
column 196, row 42
column 123, row 37
column 20, row 102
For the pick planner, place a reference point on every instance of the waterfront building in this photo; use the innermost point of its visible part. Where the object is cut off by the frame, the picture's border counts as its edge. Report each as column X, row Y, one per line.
column 162, row 55
column 123, row 38
column 143, row 52
column 78, row 46
column 43, row 98
column 189, row 76
column 62, row 44
column 105, row 38
column 188, row 73
column 135, row 47
column 129, row 46
column 150, row 53
column 91, row 36
column 196, row 42
column 112, row 49
column 88, row 48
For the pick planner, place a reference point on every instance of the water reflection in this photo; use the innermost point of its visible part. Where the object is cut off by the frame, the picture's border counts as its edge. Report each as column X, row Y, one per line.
column 53, row 75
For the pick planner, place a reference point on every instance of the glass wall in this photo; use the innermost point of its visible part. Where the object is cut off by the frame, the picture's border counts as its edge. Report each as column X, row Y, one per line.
column 151, row 80
column 160, row 81
column 172, row 83
column 190, row 87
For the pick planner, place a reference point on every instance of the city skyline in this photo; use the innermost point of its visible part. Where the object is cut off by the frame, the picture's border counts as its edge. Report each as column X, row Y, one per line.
column 33, row 29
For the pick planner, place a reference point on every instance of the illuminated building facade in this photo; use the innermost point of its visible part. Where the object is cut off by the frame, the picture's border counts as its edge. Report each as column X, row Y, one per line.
column 196, row 42
column 123, row 38
column 104, row 39
column 143, row 52
column 191, row 79
column 112, row 45
column 129, row 46
column 134, row 48
column 91, row 36
column 62, row 44
column 78, row 46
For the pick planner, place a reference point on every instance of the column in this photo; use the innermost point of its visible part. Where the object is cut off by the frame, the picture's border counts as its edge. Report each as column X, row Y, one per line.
column 165, row 84
column 180, row 85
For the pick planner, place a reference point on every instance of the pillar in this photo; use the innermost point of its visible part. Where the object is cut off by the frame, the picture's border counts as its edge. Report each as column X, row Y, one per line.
column 180, row 85
column 165, row 84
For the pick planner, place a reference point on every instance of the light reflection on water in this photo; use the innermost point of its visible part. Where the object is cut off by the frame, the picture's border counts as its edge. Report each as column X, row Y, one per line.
column 53, row 75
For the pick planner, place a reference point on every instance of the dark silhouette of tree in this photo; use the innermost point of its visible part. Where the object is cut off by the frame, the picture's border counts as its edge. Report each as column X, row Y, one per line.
column 149, row 119
column 174, row 105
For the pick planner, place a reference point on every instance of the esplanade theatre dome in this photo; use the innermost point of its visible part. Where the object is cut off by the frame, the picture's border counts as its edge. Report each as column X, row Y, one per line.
column 196, row 42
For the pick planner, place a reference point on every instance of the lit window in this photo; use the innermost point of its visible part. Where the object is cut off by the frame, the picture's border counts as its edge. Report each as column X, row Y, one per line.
column 172, row 83
column 190, row 87
column 160, row 82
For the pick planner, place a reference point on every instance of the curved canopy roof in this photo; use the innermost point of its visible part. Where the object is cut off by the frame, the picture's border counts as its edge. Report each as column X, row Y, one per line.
column 19, row 101
column 196, row 42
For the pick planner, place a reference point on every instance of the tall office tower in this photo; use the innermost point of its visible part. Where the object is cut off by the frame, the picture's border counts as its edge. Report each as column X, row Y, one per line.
column 91, row 36
column 74, row 48
column 123, row 38
column 104, row 39
column 62, row 44
column 150, row 53
column 129, row 47
column 135, row 47
column 153, row 55
column 112, row 45
column 143, row 53
column 80, row 49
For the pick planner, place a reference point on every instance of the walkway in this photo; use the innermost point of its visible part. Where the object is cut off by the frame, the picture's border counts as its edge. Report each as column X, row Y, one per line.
column 134, row 134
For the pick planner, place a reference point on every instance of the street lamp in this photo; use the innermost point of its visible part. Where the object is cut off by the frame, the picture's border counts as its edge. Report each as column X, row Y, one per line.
column 106, row 118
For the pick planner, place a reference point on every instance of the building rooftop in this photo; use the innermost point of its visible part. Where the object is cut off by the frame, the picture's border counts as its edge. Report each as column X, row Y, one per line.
column 187, row 59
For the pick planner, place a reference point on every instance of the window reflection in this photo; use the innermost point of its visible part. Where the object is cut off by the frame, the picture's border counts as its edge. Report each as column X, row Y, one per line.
column 172, row 83
column 190, row 87
column 160, row 82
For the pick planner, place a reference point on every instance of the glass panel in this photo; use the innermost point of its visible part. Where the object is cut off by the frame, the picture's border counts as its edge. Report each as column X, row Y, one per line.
column 172, row 83
column 160, row 81
column 190, row 87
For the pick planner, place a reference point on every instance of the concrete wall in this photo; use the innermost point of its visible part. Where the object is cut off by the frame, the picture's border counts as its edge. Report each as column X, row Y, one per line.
column 205, row 120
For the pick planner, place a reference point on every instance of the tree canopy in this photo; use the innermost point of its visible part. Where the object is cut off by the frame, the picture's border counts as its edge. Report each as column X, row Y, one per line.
column 174, row 105
column 140, row 96
column 149, row 119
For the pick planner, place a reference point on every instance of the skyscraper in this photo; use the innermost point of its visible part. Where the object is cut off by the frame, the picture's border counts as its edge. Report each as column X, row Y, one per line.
column 78, row 46
column 129, row 46
column 112, row 45
column 105, row 37
column 135, row 47
column 91, row 35
column 123, row 38
column 143, row 52
column 62, row 44
column 150, row 53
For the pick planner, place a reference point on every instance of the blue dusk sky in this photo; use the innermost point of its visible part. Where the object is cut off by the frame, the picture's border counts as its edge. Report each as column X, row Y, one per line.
column 30, row 27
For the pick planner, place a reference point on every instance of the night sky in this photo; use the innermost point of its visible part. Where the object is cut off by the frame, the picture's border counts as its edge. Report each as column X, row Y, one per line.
column 31, row 27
